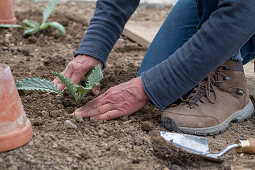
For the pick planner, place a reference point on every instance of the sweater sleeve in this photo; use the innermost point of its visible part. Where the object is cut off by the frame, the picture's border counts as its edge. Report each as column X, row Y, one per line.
column 105, row 27
column 224, row 33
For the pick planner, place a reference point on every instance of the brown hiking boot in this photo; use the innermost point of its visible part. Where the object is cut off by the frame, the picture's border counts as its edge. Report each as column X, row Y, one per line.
column 221, row 98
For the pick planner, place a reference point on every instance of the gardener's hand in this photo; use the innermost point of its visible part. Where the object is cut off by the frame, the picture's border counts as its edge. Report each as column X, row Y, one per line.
column 123, row 99
column 77, row 68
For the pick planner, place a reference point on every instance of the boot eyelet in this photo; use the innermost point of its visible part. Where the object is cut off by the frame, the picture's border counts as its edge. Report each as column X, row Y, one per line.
column 239, row 92
column 226, row 78
column 226, row 68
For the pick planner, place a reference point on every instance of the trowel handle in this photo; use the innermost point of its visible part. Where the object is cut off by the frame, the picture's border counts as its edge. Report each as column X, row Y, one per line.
column 246, row 145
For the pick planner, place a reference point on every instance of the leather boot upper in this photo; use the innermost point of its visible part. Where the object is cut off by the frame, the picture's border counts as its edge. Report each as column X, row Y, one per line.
column 218, row 96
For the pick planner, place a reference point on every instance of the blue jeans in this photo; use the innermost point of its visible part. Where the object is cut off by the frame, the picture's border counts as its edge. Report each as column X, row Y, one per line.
column 180, row 25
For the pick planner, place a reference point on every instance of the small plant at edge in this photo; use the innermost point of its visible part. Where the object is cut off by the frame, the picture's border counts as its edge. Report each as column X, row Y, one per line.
column 32, row 27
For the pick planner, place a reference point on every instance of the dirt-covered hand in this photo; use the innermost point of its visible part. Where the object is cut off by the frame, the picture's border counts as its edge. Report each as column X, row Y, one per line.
column 77, row 68
column 123, row 99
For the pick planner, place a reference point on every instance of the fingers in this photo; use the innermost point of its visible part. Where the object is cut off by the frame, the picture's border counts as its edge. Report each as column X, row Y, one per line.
column 98, row 111
column 108, row 115
column 120, row 100
column 76, row 69
column 92, row 108
column 58, row 83
column 68, row 73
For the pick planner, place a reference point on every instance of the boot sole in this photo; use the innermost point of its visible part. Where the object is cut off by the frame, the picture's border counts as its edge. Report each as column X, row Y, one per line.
column 238, row 117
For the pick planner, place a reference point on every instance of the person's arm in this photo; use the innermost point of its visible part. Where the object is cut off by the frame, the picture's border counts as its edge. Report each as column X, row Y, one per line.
column 104, row 30
column 224, row 33
column 106, row 27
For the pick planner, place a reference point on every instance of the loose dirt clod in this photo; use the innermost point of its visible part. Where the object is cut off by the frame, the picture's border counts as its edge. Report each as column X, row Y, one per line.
column 55, row 113
column 67, row 102
column 146, row 126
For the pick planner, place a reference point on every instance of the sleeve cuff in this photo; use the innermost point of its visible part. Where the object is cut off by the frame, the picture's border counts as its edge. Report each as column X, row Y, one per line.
column 149, row 94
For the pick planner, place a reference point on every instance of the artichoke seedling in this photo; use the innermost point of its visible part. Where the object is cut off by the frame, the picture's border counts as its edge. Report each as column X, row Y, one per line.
column 94, row 76
column 32, row 27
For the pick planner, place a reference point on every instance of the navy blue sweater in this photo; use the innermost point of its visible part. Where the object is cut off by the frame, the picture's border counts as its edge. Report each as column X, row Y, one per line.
column 227, row 29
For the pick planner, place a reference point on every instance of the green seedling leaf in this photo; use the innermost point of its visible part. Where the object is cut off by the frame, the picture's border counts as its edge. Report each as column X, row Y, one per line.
column 76, row 90
column 48, row 11
column 31, row 31
column 34, row 27
column 95, row 75
column 12, row 26
column 59, row 27
column 38, row 85
column 82, row 91
column 44, row 26
column 68, row 84
column 31, row 24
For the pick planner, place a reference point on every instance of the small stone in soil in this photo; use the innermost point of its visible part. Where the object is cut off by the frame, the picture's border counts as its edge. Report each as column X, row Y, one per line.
column 31, row 143
column 146, row 126
column 59, row 118
column 241, row 155
column 70, row 124
column 175, row 167
column 55, row 145
column 69, row 159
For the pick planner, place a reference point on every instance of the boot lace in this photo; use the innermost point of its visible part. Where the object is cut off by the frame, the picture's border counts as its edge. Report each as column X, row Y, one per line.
column 205, row 89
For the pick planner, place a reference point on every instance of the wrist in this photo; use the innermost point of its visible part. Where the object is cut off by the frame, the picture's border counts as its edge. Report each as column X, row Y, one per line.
column 144, row 96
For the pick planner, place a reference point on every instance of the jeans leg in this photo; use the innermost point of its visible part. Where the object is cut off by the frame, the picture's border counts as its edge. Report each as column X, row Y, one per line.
column 180, row 25
column 237, row 56
column 248, row 51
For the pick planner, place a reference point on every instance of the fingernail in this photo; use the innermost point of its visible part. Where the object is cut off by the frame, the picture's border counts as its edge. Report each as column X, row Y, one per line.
column 59, row 85
column 92, row 118
column 97, row 92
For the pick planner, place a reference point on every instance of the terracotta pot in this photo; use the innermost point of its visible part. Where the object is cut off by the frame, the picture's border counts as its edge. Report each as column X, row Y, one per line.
column 15, row 128
column 6, row 12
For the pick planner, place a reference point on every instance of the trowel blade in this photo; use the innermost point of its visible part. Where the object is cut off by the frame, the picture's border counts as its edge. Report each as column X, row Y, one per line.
column 192, row 144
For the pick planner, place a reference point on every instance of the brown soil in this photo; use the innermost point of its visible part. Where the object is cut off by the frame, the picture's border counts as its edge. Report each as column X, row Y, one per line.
column 124, row 143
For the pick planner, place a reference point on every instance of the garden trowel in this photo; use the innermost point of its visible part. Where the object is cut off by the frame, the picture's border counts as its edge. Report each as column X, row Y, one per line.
column 199, row 145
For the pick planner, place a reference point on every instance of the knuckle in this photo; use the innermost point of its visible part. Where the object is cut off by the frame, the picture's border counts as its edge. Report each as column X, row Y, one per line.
column 70, row 65
column 74, row 67
column 121, row 98
column 101, row 110
column 92, row 105
column 111, row 96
